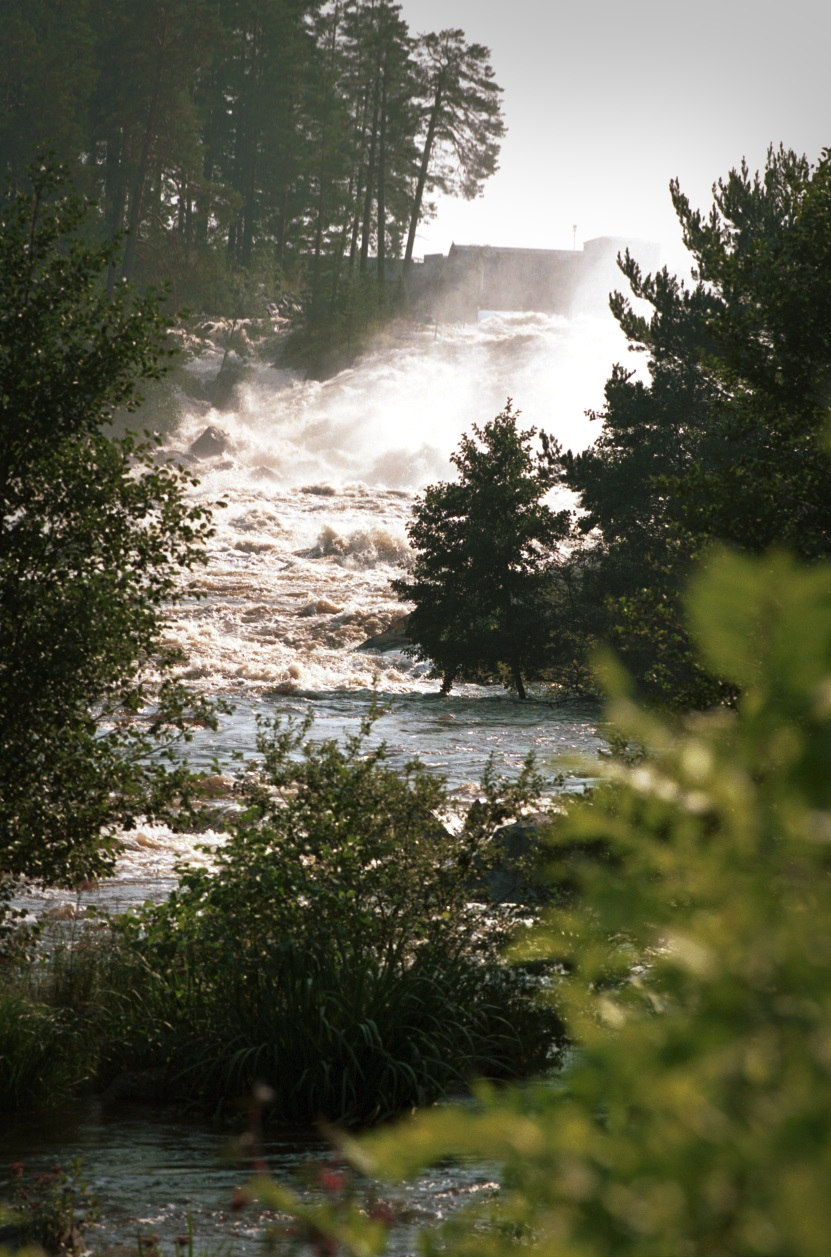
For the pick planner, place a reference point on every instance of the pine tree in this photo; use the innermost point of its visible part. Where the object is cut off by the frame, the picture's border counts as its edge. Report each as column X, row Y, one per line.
column 726, row 440
column 485, row 550
column 47, row 75
column 462, row 120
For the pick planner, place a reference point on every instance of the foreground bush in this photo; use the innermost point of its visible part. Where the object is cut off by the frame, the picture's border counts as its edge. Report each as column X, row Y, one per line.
column 48, row 1211
column 695, row 1115
column 333, row 953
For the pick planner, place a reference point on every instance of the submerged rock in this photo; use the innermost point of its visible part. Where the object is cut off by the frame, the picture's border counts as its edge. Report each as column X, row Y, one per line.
column 320, row 606
column 139, row 1086
column 515, row 873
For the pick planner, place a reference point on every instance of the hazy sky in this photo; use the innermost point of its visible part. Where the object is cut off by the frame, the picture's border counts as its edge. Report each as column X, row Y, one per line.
column 605, row 102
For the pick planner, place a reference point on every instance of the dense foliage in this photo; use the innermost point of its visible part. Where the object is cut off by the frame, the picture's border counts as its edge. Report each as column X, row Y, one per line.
column 93, row 541
column 726, row 438
column 289, row 139
column 332, row 952
column 484, row 557
column 723, row 440
column 694, row 1115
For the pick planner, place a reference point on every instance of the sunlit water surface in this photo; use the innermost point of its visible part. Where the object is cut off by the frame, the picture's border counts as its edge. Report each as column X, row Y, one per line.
column 156, row 1174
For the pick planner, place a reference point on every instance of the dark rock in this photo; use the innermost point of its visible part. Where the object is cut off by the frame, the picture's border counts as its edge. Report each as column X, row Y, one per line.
column 393, row 637
column 514, row 874
column 319, row 490
column 13, row 1238
column 211, row 442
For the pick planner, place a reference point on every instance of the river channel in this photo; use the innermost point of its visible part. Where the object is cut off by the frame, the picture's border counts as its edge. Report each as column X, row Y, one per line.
column 317, row 481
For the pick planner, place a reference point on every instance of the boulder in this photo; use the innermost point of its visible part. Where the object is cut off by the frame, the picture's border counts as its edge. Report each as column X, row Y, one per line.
column 393, row 637
column 210, row 443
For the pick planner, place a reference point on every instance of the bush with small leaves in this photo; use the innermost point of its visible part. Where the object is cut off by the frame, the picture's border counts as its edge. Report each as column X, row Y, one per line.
column 333, row 952
column 694, row 1116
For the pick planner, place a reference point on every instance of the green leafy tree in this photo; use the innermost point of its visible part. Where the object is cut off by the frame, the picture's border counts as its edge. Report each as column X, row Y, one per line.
column 485, row 552
column 695, row 1114
column 725, row 441
column 94, row 539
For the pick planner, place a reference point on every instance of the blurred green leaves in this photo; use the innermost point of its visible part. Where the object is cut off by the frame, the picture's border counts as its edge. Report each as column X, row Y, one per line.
column 694, row 1116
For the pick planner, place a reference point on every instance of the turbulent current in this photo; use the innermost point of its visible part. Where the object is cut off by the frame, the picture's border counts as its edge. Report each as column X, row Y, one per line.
column 317, row 481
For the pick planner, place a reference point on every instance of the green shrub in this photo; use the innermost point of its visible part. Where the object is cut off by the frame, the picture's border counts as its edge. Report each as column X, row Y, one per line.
column 332, row 952
column 33, row 1057
column 695, row 1115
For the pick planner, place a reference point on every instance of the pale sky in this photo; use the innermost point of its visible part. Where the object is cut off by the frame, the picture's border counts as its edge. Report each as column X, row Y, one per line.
column 605, row 102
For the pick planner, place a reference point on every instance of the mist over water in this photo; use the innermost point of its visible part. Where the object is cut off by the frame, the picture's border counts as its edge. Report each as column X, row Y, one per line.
column 318, row 481
column 393, row 419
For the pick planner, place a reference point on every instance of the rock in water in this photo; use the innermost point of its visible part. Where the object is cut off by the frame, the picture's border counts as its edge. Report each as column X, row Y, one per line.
column 211, row 442
column 394, row 637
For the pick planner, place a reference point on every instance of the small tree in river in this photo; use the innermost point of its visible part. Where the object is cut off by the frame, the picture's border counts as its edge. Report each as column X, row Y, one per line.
column 485, row 548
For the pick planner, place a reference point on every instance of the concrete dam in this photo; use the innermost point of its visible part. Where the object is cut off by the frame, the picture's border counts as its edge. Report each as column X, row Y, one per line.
column 472, row 278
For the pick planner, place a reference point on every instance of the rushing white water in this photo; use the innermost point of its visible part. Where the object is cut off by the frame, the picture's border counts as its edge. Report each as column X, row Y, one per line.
column 318, row 480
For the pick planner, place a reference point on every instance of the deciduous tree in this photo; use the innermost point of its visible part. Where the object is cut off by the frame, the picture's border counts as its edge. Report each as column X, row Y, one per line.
column 93, row 540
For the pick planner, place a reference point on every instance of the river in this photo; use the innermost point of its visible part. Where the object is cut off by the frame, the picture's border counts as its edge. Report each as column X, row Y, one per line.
column 317, row 481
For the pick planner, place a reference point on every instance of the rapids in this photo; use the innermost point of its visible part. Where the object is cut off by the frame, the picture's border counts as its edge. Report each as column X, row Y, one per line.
column 317, row 482
column 316, row 485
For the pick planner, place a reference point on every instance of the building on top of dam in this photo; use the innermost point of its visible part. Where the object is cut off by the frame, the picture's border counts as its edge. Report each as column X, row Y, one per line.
column 556, row 281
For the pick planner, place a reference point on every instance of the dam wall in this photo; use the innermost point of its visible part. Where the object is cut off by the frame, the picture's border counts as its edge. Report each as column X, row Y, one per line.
column 472, row 278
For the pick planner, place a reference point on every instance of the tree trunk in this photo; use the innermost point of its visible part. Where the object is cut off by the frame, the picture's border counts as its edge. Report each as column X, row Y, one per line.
column 283, row 224
column 356, row 220
column 422, row 177
column 250, row 152
column 115, row 194
column 382, row 174
column 137, row 198
column 370, row 183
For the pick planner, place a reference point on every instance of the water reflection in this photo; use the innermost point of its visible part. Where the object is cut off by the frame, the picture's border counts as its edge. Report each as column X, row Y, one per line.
column 456, row 734
column 156, row 1172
